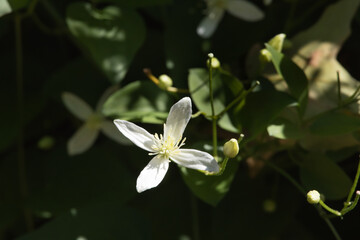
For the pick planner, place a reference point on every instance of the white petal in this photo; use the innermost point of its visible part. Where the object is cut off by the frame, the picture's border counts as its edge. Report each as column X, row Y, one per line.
column 152, row 174
column 76, row 106
column 110, row 130
column 82, row 140
column 179, row 116
column 209, row 24
column 195, row 159
column 244, row 10
column 139, row 136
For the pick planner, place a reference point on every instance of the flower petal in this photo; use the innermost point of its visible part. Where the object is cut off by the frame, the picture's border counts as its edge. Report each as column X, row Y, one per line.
column 76, row 106
column 139, row 136
column 109, row 129
column 195, row 159
column 244, row 10
column 152, row 174
column 209, row 24
column 82, row 140
column 179, row 116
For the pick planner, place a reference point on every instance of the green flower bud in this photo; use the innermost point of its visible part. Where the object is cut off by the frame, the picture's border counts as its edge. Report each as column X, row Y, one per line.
column 313, row 197
column 165, row 81
column 269, row 206
column 265, row 56
column 231, row 148
column 215, row 63
column 46, row 143
column 277, row 41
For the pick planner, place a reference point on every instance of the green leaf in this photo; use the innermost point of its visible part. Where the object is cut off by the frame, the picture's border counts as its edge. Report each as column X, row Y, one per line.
column 284, row 129
column 106, row 221
column 292, row 74
column 140, row 100
column 111, row 36
column 210, row 189
column 8, row 6
column 260, row 109
column 335, row 123
column 320, row 173
column 225, row 89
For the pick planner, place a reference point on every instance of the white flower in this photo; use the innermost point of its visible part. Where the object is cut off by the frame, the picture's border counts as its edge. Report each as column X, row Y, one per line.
column 215, row 11
column 86, row 135
column 166, row 147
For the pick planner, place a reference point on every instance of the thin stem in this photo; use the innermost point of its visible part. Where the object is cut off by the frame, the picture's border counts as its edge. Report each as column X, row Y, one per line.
column 329, row 209
column 20, row 105
column 195, row 217
column 214, row 120
column 352, row 190
column 237, row 99
column 287, row 176
column 332, row 228
column 352, row 205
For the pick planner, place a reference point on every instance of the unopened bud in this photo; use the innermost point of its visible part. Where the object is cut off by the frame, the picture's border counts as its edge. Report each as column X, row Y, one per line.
column 269, row 206
column 277, row 41
column 231, row 148
column 210, row 55
column 215, row 63
column 313, row 197
column 165, row 81
column 46, row 143
column 265, row 56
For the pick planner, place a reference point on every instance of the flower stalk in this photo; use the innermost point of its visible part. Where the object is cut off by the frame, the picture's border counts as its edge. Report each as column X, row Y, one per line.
column 213, row 116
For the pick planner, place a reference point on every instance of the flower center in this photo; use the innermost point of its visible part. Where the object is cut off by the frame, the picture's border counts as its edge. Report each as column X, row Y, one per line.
column 217, row 3
column 94, row 121
column 166, row 147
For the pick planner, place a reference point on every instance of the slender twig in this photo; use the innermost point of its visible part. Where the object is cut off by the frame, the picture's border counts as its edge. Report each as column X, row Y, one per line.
column 20, row 105
column 214, row 120
column 353, row 188
column 195, row 217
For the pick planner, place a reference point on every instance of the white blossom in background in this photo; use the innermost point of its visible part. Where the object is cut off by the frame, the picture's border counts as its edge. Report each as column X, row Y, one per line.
column 215, row 11
column 94, row 122
column 166, row 147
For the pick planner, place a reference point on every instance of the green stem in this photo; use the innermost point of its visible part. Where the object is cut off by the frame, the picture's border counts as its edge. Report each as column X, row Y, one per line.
column 214, row 120
column 195, row 217
column 241, row 96
column 332, row 228
column 287, row 176
column 20, row 105
column 352, row 190
column 329, row 209
column 352, row 205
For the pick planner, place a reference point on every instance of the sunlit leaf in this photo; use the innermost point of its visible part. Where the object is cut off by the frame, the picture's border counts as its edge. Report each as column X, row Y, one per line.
column 111, row 36
column 8, row 6
column 335, row 123
column 292, row 74
column 210, row 189
column 260, row 109
column 320, row 173
column 140, row 101
column 284, row 129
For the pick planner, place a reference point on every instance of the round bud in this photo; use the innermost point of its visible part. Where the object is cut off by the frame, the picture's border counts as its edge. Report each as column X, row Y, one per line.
column 313, row 197
column 269, row 206
column 165, row 81
column 265, row 56
column 210, row 55
column 231, row 148
column 277, row 41
column 215, row 63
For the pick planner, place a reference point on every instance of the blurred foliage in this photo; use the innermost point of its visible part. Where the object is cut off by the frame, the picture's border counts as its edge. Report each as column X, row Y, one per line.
column 303, row 118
